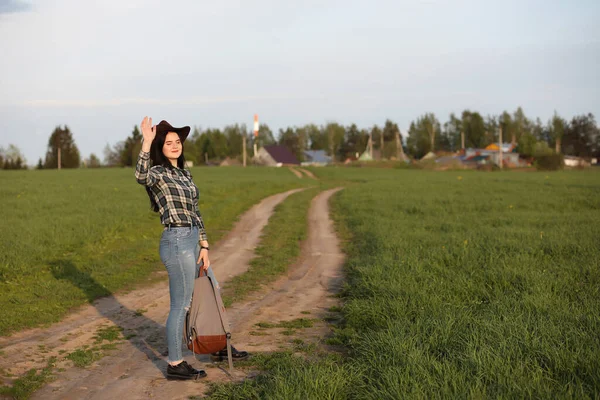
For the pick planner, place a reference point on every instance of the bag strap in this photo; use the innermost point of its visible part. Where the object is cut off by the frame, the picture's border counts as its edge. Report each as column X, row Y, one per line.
column 229, row 358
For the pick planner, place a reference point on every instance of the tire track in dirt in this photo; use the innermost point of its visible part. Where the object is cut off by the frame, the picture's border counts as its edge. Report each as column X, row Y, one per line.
column 296, row 172
column 135, row 369
column 308, row 174
column 306, row 292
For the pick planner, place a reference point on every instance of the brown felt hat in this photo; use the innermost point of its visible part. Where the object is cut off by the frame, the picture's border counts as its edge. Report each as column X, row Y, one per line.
column 164, row 127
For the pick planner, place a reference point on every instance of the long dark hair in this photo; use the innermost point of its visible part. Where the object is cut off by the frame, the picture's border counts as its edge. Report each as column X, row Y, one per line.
column 157, row 157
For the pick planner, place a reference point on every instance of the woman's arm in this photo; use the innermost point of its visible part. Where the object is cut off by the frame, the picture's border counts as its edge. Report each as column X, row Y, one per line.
column 202, row 229
column 203, row 240
column 143, row 174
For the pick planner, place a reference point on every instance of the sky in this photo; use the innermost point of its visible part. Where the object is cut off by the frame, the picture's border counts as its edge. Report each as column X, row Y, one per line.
column 101, row 66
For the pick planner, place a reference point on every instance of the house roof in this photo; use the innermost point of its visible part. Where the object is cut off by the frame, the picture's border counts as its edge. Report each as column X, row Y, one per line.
column 429, row 156
column 317, row 156
column 366, row 156
column 506, row 147
column 281, row 154
column 477, row 157
column 230, row 161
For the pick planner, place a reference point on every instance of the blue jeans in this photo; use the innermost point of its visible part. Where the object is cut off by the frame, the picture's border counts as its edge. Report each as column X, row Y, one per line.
column 179, row 250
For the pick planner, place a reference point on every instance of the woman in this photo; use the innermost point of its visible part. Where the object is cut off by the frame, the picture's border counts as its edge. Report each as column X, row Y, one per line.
column 183, row 245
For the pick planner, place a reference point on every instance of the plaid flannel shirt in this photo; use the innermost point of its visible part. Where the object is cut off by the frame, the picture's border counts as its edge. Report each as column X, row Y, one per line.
column 174, row 192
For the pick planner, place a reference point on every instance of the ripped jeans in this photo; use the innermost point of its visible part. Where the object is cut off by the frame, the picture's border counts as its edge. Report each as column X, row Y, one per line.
column 179, row 251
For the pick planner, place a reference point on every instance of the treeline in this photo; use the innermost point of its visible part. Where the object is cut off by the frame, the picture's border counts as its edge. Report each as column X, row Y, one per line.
column 578, row 137
column 532, row 137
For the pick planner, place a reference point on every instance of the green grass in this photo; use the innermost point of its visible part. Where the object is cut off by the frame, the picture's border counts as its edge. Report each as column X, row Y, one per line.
column 83, row 357
column 265, row 325
column 292, row 377
column 110, row 333
column 22, row 388
column 86, row 355
column 459, row 285
column 474, row 285
column 297, row 323
column 72, row 236
column 279, row 247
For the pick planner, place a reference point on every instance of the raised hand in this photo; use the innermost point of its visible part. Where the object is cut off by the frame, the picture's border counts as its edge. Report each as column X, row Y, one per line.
column 148, row 130
column 148, row 133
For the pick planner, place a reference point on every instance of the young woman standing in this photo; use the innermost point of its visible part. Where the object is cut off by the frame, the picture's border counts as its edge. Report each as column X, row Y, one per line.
column 183, row 245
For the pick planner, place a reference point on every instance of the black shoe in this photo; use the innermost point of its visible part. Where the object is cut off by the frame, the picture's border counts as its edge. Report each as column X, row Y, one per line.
column 184, row 371
column 236, row 355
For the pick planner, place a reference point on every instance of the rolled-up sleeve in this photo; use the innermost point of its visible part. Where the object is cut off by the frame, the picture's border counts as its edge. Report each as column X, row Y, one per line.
column 202, row 229
column 143, row 173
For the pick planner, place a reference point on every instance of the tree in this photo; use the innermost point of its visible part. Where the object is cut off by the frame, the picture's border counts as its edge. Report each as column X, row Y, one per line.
column 355, row 141
column 506, row 123
column 12, row 158
column 40, row 164
column 235, row 137
column 491, row 126
column 537, row 129
column 112, row 156
column 474, row 129
column 128, row 155
column 316, row 136
column 527, row 144
column 581, row 137
column 422, row 134
column 556, row 129
column 211, row 144
column 303, row 141
column 521, row 126
column 335, row 137
column 290, row 139
column 93, row 161
column 390, row 132
column 190, row 147
column 375, row 137
column 453, row 133
column 62, row 139
column 265, row 136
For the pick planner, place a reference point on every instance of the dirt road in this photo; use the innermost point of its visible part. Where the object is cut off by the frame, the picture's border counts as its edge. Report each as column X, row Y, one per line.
column 135, row 370
column 306, row 292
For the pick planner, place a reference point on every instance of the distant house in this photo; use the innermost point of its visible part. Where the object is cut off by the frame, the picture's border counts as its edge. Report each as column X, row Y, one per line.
column 227, row 162
column 429, row 156
column 316, row 157
column 572, row 161
column 490, row 155
column 275, row 156
column 506, row 147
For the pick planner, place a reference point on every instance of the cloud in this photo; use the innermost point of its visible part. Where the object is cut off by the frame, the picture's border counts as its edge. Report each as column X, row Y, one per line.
column 13, row 6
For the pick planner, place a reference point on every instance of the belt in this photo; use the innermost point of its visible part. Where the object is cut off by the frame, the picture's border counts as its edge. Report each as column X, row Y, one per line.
column 179, row 225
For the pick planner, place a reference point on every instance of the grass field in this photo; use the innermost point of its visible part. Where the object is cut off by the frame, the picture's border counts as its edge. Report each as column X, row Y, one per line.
column 468, row 285
column 57, row 225
column 459, row 284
